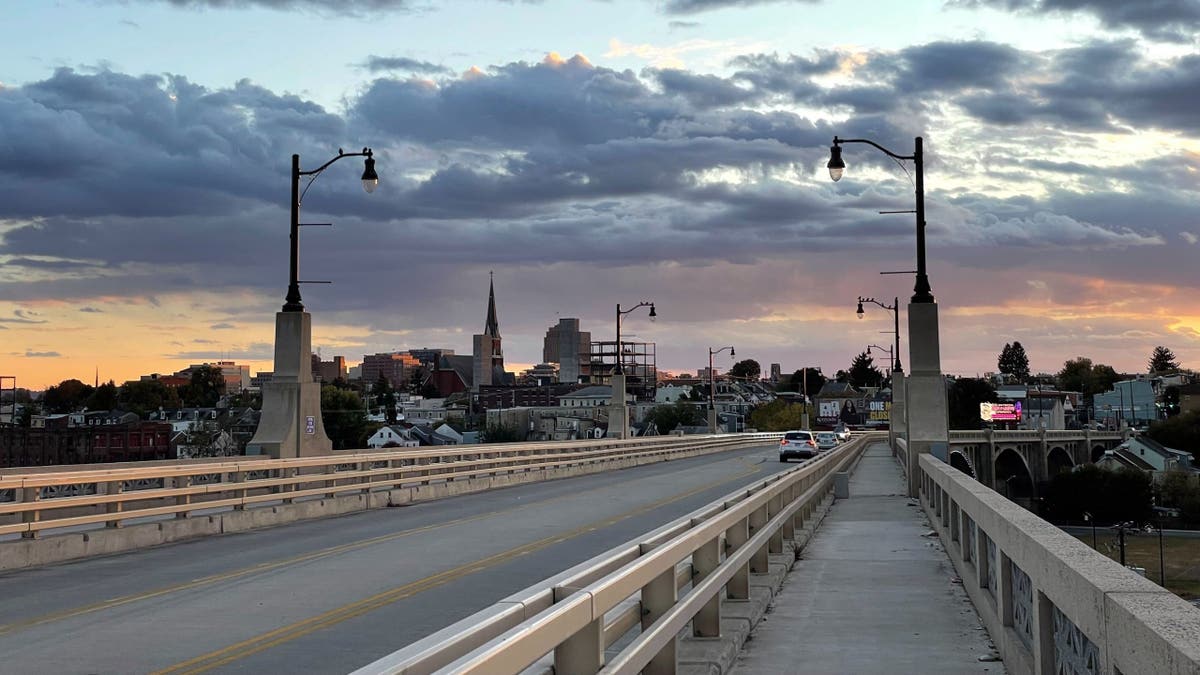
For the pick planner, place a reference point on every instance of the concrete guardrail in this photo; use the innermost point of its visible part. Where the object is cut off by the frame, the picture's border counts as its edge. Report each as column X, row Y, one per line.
column 639, row 596
column 1051, row 603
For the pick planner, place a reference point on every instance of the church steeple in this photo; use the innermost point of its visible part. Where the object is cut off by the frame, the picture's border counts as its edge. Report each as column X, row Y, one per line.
column 492, row 327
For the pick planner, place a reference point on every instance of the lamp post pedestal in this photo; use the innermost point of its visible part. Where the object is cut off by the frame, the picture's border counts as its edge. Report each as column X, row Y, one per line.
column 290, row 425
column 896, row 420
column 618, row 411
column 714, row 424
column 927, row 427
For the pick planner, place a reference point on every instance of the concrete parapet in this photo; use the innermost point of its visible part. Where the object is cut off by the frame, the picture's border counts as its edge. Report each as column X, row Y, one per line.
column 56, row 548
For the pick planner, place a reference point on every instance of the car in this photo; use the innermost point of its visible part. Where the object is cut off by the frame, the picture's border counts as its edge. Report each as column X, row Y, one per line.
column 826, row 440
column 798, row 444
column 842, row 432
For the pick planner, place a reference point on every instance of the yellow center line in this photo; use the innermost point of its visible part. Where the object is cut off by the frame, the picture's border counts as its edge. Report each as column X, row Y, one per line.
column 274, row 565
column 332, row 617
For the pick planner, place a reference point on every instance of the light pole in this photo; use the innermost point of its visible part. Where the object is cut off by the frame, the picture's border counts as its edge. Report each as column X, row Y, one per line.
column 712, row 386
column 894, row 308
column 618, row 411
column 291, row 424
column 889, row 351
column 926, row 427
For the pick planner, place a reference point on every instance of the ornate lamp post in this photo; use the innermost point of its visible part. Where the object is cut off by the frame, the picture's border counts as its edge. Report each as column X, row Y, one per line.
column 925, row 412
column 291, row 425
column 712, row 387
column 618, row 414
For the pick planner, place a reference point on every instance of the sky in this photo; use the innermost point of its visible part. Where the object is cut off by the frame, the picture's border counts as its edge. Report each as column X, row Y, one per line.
column 590, row 153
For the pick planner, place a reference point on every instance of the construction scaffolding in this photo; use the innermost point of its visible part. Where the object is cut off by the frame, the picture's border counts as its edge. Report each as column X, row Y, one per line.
column 637, row 362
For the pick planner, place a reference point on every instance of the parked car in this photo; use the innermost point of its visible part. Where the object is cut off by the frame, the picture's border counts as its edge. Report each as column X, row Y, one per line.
column 826, row 440
column 842, row 432
column 798, row 444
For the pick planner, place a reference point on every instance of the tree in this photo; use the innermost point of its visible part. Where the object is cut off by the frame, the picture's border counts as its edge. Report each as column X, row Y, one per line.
column 67, row 396
column 1181, row 432
column 430, row 390
column 104, row 397
column 796, row 381
column 667, row 417
column 778, row 415
column 1162, row 360
column 964, row 398
column 143, row 396
column 344, row 418
column 383, row 392
column 1180, row 490
column 746, row 370
column 863, row 372
column 1080, row 374
column 1109, row 496
column 501, row 433
column 205, row 389
column 1013, row 361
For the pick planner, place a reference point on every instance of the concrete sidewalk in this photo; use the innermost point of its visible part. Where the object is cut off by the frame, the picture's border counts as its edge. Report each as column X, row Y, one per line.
column 871, row 593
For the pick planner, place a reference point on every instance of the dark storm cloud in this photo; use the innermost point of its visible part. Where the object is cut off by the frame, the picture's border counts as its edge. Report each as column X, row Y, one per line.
column 1172, row 20
column 383, row 64
column 704, row 91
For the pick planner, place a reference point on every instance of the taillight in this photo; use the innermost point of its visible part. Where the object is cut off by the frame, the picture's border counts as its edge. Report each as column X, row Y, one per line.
column 813, row 443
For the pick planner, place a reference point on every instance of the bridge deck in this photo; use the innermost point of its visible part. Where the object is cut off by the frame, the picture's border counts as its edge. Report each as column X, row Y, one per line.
column 872, row 594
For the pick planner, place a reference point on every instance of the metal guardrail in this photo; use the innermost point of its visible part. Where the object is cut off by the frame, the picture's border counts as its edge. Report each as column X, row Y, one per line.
column 579, row 613
column 111, row 494
column 1050, row 603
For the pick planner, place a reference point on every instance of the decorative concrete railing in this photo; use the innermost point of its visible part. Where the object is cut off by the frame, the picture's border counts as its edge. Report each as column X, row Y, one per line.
column 1028, row 435
column 574, row 617
column 193, row 498
column 1051, row 603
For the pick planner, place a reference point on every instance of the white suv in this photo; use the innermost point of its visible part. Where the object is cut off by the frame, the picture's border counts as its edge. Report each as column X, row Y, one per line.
column 798, row 444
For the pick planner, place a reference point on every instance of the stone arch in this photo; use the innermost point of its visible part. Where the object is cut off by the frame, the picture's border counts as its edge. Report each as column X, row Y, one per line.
column 960, row 461
column 1058, row 460
column 1013, row 478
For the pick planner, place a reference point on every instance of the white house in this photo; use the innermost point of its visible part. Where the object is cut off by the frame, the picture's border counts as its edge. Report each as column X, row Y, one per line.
column 671, row 393
column 392, row 437
column 588, row 397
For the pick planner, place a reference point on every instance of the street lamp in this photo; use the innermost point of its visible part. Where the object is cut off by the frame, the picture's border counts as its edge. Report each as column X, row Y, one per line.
column 290, row 425
column 712, row 385
column 882, row 349
column 370, row 180
column 922, row 292
column 924, row 410
column 894, row 308
column 619, row 412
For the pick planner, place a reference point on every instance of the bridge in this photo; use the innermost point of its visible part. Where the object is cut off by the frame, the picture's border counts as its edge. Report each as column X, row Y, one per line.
column 654, row 555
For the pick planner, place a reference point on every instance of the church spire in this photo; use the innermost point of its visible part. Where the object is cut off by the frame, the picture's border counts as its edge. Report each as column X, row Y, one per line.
column 492, row 327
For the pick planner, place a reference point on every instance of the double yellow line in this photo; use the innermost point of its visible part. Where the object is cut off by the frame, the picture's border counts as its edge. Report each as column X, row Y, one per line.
column 270, row 639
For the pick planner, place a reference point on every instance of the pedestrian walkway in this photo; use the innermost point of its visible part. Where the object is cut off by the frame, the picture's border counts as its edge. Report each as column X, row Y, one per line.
column 872, row 593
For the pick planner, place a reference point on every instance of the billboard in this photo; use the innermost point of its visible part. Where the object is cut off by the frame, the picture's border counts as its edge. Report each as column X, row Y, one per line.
column 880, row 410
column 1000, row 412
column 828, row 411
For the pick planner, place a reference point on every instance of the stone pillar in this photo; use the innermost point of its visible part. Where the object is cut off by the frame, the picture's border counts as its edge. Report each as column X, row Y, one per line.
column 896, row 421
column 714, row 424
column 291, row 425
column 925, row 400
column 618, row 412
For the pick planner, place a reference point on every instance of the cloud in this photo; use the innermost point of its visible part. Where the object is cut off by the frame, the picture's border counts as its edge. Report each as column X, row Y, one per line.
column 21, row 316
column 41, row 355
column 381, row 64
column 91, row 310
column 223, row 326
column 332, row 7
column 697, row 6
column 1169, row 20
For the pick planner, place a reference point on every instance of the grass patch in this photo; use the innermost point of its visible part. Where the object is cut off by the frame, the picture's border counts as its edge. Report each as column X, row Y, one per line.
column 1181, row 558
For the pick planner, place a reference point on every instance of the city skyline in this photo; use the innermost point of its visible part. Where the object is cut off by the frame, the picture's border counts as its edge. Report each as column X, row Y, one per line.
column 593, row 154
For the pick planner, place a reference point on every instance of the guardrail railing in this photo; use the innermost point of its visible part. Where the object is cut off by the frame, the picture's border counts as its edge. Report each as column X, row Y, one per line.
column 1051, row 603
column 113, row 494
column 578, row 614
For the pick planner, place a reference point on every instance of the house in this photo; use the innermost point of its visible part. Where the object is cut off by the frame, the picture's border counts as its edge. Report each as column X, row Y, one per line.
column 588, row 397
column 670, row 393
column 204, row 443
column 1147, row 454
column 427, row 436
column 449, row 432
column 394, row 436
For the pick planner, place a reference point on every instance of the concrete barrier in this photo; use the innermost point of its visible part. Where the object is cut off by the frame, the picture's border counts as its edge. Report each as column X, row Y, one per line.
column 1050, row 603
column 346, row 498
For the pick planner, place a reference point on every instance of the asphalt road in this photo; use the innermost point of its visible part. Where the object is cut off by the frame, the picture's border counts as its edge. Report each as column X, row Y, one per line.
column 330, row 595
